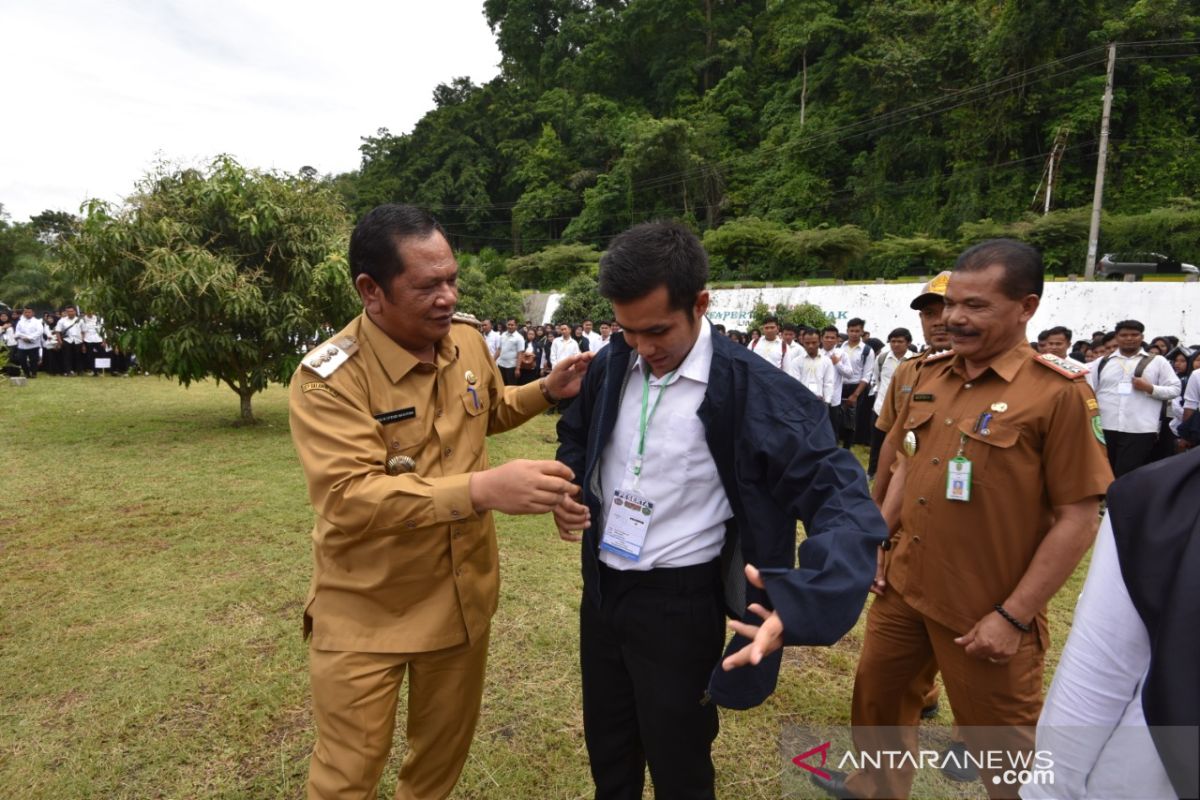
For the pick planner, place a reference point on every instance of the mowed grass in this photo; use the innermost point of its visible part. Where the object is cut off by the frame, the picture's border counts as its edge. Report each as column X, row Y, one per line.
column 153, row 563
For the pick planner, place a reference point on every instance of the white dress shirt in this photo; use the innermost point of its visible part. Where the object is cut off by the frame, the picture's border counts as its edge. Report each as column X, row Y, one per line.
column 561, row 348
column 1191, row 395
column 91, row 330
column 678, row 472
column 858, row 369
column 10, row 335
column 841, row 371
column 600, row 344
column 29, row 333
column 1092, row 722
column 492, row 338
column 70, row 329
column 1135, row 412
column 890, row 362
column 593, row 341
column 772, row 352
column 511, row 345
column 815, row 372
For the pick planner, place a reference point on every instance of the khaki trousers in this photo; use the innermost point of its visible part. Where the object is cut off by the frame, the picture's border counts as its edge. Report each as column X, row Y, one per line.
column 902, row 652
column 354, row 703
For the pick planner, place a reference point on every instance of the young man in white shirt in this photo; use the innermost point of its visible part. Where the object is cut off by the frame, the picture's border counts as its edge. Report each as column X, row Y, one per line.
column 605, row 336
column 512, row 344
column 858, row 365
column 29, row 332
column 894, row 355
column 694, row 458
column 1131, row 387
column 592, row 337
column 831, row 346
column 769, row 346
column 492, row 337
column 809, row 365
column 70, row 331
column 93, row 341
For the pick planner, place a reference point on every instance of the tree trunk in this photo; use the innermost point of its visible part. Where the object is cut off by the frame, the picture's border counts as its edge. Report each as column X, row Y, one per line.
column 247, row 417
column 803, row 83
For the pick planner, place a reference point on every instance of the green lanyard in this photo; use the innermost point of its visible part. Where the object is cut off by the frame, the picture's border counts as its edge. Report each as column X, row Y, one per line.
column 645, row 420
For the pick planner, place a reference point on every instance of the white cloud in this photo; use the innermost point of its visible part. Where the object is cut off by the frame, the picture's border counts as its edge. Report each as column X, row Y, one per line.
column 95, row 93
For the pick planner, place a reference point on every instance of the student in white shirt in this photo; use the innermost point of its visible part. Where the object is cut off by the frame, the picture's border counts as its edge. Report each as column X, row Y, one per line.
column 831, row 347
column 1131, row 387
column 70, row 332
column 769, row 345
column 893, row 355
column 605, row 336
column 592, row 337
column 511, row 345
column 28, row 333
column 93, row 341
column 490, row 336
column 809, row 365
column 858, row 366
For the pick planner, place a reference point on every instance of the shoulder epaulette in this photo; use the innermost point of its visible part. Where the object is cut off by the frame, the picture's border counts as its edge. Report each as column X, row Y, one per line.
column 1064, row 367
column 325, row 359
column 929, row 359
column 467, row 319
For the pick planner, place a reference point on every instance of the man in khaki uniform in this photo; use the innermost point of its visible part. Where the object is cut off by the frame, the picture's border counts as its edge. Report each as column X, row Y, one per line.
column 991, row 509
column 390, row 418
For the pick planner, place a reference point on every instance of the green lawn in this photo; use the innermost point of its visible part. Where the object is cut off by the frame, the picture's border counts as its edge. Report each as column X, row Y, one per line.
column 153, row 562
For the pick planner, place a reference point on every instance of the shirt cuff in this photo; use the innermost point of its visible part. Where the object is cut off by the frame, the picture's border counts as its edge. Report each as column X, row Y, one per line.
column 529, row 398
column 452, row 499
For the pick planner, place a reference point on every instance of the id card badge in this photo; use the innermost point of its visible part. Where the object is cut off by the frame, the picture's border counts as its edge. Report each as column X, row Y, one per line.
column 1125, row 387
column 958, row 480
column 626, row 524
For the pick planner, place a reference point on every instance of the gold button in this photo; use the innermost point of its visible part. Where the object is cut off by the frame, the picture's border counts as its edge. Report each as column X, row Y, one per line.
column 410, row 524
column 458, row 572
column 438, row 413
column 395, row 445
column 936, row 461
column 454, row 512
column 966, row 386
column 921, row 500
column 457, row 533
column 949, row 421
column 916, row 539
column 447, row 451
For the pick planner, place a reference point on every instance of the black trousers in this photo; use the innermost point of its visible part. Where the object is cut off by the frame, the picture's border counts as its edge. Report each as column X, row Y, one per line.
column 646, row 656
column 27, row 360
column 877, row 437
column 509, row 374
column 849, row 417
column 1128, row 451
column 835, row 421
column 72, row 359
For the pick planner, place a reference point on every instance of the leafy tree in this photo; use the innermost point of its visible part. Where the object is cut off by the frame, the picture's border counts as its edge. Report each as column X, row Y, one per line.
column 222, row 273
column 487, row 298
column 896, row 256
column 582, row 300
column 554, row 266
column 807, row 315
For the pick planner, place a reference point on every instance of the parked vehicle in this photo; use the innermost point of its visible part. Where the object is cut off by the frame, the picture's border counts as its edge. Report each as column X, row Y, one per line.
column 1115, row 266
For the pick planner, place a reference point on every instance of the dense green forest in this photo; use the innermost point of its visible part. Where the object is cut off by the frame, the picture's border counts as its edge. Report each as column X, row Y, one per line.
column 853, row 136
column 799, row 137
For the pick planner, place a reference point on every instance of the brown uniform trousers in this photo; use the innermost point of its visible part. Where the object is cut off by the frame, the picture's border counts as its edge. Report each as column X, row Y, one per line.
column 1028, row 427
column 406, row 574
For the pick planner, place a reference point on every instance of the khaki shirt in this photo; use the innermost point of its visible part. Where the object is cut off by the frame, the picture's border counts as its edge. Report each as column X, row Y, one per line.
column 899, row 392
column 953, row 561
column 401, row 563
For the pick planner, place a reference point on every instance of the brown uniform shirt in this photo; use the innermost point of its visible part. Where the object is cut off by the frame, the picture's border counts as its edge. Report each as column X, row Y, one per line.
column 953, row 561
column 895, row 402
column 401, row 563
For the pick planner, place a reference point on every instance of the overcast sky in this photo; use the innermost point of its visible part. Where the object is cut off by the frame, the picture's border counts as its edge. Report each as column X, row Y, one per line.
column 95, row 92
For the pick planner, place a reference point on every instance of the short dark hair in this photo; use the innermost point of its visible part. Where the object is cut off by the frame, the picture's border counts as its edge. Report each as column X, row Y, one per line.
column 1108, row 337
column 1129, row 325
column 1023, row 269
column 719, row 327
column 900, row 333
column 855, row 323
column 1044, row 335
column 830, row 329
column 770, row 320
column 655, row 254
column 1058, row 330
column 810, row 332
column 375, row 243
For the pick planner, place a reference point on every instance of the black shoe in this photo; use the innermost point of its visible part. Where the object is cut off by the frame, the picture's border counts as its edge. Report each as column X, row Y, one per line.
column 955, row 765
column 834, row 785
column 929, row 712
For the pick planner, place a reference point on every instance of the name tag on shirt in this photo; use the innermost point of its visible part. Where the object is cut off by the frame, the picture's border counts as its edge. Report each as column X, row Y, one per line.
column 958, row 480
column 1125, row 387
column 626, row 525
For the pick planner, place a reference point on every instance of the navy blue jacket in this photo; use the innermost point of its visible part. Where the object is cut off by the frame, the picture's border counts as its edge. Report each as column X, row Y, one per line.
column 778, row 462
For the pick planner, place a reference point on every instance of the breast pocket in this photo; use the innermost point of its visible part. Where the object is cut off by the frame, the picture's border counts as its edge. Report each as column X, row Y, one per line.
column 985, row 448
column 679, row 453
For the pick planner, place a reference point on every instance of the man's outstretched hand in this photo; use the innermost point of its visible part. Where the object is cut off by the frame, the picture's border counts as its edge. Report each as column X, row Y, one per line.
column 764, row 639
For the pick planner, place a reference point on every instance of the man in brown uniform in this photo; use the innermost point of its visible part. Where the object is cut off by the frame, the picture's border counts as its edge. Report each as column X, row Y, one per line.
column 992, row 507
column 389, row 418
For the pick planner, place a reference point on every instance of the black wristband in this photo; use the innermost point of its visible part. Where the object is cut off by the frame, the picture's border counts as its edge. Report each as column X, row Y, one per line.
column 1021, row 626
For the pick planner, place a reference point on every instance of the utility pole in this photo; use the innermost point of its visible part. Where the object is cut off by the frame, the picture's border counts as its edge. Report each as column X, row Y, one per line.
column 1098, row 195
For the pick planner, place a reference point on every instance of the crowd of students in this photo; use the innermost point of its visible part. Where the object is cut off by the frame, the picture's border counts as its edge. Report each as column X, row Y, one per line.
column 68, row 343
